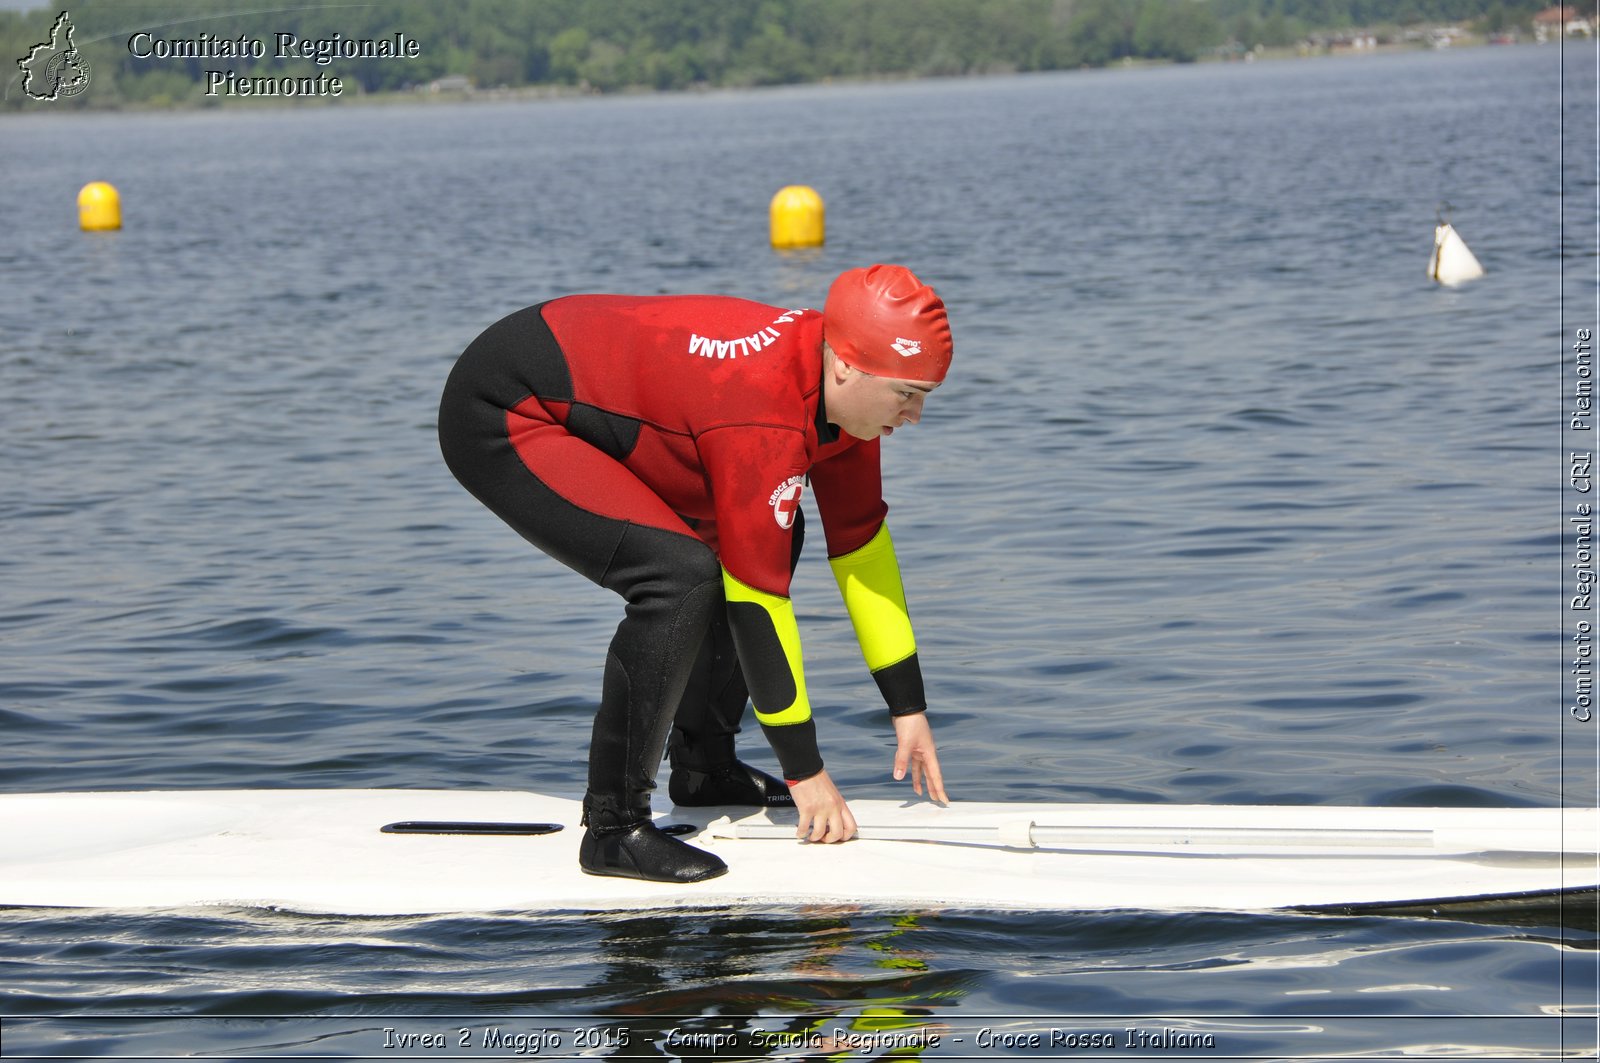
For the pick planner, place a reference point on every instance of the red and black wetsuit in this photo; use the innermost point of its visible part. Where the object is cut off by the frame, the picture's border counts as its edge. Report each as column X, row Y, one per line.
column 660, row 446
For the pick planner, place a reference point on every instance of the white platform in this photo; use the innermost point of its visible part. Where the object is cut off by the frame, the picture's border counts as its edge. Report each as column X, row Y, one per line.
column 324, row 851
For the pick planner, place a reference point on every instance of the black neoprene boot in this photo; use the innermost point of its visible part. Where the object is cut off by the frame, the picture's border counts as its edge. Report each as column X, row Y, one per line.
column 731, row 783
column 626, row 843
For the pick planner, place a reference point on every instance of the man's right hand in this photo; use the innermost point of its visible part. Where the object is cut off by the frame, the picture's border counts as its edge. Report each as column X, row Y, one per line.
column 824, row 817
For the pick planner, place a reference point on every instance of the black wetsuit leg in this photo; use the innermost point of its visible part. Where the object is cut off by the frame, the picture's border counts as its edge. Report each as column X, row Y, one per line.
column 705, row 767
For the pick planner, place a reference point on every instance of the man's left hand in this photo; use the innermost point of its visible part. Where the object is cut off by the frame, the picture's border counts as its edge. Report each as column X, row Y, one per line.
column 916, row 752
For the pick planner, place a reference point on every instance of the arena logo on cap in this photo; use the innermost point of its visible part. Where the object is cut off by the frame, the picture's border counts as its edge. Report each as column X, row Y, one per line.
column 907, row 348
column 785, row 501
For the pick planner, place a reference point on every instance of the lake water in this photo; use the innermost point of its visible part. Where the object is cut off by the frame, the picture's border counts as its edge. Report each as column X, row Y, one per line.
column 1224, row 502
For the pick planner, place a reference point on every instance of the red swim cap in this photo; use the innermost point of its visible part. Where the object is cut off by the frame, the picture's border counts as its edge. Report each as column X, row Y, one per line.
column 886, row 322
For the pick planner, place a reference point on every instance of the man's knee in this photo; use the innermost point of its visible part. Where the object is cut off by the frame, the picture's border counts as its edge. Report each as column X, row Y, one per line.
column 650, row 562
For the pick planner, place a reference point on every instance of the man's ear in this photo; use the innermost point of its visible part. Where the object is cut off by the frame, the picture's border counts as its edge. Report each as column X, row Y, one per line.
column 838, row 368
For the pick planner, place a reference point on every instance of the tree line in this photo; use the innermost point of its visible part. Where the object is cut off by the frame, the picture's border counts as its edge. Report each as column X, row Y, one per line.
column 616, row 45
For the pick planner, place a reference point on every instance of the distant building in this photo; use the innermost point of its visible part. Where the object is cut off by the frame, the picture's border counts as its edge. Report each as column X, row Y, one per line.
column 451, row 83
column 1358, row 41
column 1560, row 21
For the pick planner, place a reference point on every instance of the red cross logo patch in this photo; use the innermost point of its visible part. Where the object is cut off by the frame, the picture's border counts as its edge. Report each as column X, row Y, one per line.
column 785, row 501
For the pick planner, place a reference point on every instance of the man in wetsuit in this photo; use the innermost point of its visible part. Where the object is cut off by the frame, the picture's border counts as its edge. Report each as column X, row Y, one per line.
column 660, row 445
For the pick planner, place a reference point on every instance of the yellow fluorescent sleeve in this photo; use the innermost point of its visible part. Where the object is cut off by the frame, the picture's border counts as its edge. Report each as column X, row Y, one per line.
column 869, row 580
column 768, row 640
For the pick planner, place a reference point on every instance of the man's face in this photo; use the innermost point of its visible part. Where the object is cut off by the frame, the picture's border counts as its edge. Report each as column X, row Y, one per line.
column 867, row 406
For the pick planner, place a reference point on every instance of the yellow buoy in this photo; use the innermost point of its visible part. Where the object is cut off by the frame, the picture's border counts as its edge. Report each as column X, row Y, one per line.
column 797, row 217
column 99, row 207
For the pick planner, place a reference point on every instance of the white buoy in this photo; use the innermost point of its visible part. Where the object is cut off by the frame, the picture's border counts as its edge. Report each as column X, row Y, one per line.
column 1452, row 262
